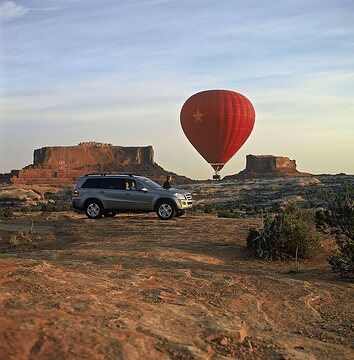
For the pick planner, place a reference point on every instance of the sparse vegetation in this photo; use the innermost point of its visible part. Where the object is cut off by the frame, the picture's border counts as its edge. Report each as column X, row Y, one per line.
column 230, row 214
column 29, row 237
column 338, row 218
column 295, row 266
column 56, row 207
column 288, row 234
column 208, row 209
column 6, row 212
column 21, row 238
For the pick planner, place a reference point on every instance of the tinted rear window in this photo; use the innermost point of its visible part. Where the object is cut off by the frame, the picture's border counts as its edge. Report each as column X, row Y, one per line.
column 114, row 183
column 92, row 183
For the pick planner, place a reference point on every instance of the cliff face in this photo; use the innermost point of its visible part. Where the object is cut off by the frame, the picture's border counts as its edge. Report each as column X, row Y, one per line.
column 91, row 154
column 65, row 164
column 258, row 164
column 268, row 166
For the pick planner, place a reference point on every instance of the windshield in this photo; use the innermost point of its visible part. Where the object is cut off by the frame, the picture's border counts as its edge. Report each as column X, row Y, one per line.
column 150, row 182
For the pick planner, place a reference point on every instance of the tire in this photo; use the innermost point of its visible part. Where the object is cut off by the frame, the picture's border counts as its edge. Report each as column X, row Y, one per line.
column 93, row 209
column 165, row 209
column 180, row 213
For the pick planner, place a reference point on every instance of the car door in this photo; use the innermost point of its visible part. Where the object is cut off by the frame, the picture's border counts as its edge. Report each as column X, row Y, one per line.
column 137, row 199
column 114, row 193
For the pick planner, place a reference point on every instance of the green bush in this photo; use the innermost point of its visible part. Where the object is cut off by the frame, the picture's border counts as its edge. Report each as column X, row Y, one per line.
column 291, row 231
column 338, row 217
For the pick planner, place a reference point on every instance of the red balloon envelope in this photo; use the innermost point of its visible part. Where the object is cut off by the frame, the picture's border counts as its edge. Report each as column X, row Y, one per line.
column 217, row 123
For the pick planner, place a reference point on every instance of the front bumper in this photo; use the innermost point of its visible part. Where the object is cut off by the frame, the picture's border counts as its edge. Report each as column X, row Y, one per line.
column 188, row 204
column 184, row 204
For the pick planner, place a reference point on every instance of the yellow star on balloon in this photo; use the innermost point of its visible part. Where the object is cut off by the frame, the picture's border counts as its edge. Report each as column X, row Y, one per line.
column 198, row 116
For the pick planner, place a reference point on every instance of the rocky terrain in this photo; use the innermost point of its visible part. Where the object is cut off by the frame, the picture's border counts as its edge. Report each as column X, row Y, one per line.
column 243, row 194
column 307, row 191
column 65, row 164
column 135, row 287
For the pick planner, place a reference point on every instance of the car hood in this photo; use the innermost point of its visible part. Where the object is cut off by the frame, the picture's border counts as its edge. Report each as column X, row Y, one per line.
column 174, row 191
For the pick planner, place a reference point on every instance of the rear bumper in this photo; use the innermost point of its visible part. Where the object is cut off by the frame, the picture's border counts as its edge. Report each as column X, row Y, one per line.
column 76, row 204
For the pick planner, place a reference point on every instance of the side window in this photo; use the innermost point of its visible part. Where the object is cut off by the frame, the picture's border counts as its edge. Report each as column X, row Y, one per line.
column 114, row 183
column 131, row 184
column 139, row 185
column 92, row 183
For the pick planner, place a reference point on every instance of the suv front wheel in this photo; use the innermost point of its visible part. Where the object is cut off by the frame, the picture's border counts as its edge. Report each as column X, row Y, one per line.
column 93, row 209
column 165, row 209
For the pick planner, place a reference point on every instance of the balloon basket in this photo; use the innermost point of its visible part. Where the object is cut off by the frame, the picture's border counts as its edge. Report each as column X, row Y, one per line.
column 216, row 177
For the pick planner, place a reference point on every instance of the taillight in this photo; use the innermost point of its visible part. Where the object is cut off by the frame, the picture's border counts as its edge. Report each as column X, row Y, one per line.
column 75, row 193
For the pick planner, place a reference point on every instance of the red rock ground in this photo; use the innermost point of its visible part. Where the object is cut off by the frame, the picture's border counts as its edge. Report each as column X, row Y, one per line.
column 134, row 287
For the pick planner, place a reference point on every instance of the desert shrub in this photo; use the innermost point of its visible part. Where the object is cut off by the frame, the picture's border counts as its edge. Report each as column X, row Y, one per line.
column 6, row 212
column 47, row 207
column 288, row 234
column 257, row 209
column 55, row 207
column 196, row 208
column 338, row 217
column 21, row 238
column 275, row 208
column 230, row 214
column 208, row 209
column 246, row 208
column 30, row 238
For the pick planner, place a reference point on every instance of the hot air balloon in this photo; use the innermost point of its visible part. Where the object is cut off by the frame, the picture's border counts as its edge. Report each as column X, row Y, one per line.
column 217, row 123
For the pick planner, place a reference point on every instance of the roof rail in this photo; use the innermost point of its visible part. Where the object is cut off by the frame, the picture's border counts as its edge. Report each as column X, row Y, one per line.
column 101, row 174
column 105, row 174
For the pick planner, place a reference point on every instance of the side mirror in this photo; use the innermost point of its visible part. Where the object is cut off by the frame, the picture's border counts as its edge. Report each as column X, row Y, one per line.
column 144, row 190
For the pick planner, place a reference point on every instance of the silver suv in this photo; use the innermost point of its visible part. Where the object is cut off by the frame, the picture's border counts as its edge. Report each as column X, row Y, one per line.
column 106, row 195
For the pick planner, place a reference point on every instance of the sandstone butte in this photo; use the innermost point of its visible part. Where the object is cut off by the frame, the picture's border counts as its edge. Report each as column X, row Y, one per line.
column 268, row 166
column 65, row 164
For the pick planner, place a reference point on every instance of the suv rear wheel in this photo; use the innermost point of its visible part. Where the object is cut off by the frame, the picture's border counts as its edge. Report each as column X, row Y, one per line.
column 165, row 209
column 93, row 209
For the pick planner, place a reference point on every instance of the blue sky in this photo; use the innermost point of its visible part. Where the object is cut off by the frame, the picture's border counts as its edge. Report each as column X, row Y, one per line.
column 119, row 72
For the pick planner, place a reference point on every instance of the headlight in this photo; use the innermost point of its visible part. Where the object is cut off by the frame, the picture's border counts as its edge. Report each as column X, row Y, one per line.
column 179, row 196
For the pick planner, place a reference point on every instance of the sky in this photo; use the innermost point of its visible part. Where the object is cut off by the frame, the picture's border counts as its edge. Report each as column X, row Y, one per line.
column 119, row 71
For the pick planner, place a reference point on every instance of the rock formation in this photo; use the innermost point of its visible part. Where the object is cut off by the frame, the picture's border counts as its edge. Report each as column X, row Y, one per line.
column 268, row 166
column 91, row 154
column 64, row 164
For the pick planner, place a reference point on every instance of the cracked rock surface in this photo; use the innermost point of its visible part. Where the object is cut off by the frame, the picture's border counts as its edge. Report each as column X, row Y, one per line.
column 135, row 287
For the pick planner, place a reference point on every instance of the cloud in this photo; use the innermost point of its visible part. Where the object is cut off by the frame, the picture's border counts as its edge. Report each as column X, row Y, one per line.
column 9, row 10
